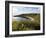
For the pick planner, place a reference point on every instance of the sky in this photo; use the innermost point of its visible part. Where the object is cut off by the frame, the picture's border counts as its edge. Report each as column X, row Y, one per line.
column 17, row 10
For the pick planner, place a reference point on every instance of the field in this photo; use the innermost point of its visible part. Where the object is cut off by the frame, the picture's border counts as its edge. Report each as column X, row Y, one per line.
column 27, row 25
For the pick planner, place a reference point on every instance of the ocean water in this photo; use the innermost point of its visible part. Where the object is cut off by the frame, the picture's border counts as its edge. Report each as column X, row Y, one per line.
column 19, row 19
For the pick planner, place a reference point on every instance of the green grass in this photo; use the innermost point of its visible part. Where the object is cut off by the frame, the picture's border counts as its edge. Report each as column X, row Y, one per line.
column 27, row 25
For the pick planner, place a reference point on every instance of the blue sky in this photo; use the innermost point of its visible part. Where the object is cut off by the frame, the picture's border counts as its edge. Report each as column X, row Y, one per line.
column 25, row 10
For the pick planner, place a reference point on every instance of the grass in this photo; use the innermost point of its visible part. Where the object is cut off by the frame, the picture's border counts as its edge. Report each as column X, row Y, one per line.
column 27, row 25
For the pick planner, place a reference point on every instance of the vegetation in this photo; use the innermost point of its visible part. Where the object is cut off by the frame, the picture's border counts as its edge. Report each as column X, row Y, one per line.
column 27, row 25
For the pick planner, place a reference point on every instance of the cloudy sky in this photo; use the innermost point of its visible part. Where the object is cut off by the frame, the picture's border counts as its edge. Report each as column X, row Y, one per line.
column 25, row 10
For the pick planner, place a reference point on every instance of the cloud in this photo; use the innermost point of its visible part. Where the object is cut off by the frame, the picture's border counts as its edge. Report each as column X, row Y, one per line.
column 23, row 10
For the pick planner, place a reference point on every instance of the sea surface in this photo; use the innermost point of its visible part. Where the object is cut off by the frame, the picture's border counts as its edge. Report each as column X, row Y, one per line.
column 19, row 18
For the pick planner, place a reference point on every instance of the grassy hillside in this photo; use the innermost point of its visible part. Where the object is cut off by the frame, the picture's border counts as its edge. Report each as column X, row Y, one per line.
column 27, row 25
